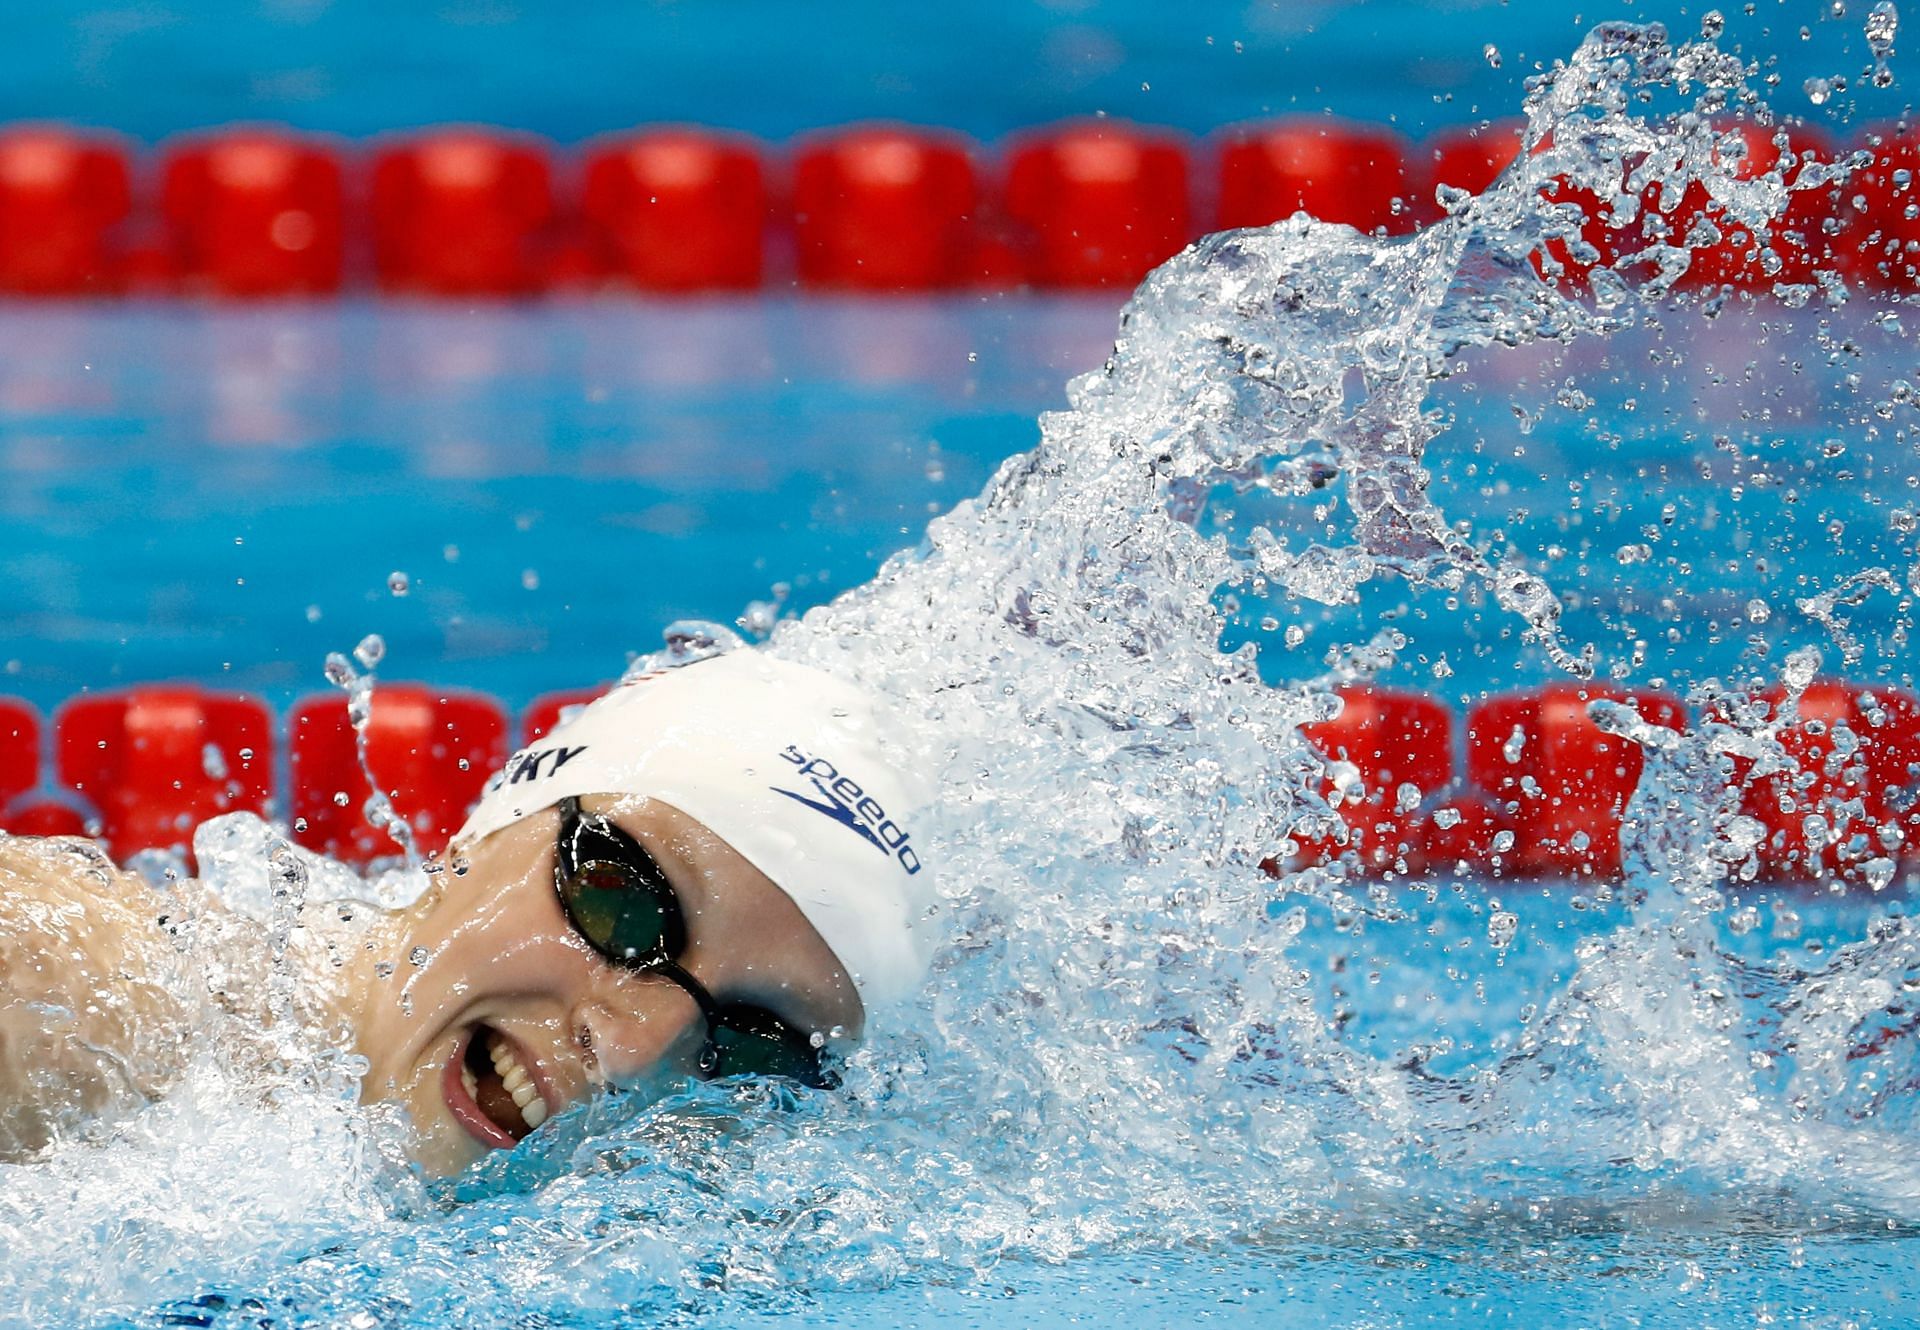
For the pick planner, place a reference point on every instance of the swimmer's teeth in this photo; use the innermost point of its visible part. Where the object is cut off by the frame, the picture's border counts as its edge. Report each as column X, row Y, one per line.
column 516, row 1081
column 467, row 1080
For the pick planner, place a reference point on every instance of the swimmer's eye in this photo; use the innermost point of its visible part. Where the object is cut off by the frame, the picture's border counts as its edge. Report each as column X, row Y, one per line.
column 620, row 902
column 630, row 918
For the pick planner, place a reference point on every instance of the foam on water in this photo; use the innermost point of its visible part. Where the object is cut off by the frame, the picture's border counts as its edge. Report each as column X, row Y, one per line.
column 1125, row 1045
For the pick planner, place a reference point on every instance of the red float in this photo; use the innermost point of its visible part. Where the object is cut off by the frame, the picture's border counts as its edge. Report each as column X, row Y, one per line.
column 255, row 212
column 1856, row 796
column 544, row 712
column 156, row 762
column 19, row 750
column 1881, row 241
column 63, row 196
column 1789, row 250
column 676, row 210
column 885, row 208
column 1098, row 203
column 45, row 817
column 1460, row 833
column 462, row 212
column 1401, row 745
column 1355, row 175
column 1469, row 158
column 1561, row 780
column 432, row 752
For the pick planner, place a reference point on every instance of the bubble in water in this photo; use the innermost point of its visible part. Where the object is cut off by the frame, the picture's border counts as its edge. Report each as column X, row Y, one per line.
column 1501, row 927
column 1758, row 611
column 398, row 583
column 1492, row 55
column 1712, row 24
column 1502, row 841
column 417, row 957
column 371, row 650
column 1818, row 90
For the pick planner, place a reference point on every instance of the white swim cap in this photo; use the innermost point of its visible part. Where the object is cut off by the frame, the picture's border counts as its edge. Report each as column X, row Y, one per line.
column 780, row 761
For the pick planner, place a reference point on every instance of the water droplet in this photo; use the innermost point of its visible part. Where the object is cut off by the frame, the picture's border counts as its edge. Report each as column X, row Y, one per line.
column 1516, row 742
column 371, row 650
column 1758, row 611
column 1502, row 841
column 1491, row 53
column 1501, row 927
column 417, row 957
column 1800, row 668
column 340, row 799
column 1712, row 24
column 1883, row 21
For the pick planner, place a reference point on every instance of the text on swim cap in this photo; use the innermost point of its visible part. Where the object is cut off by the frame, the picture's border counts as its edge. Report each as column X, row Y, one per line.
column 852, row 807
column 525, row 764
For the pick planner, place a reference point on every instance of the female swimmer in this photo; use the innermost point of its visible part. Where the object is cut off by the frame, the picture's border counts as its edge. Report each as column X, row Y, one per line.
column 708, row 872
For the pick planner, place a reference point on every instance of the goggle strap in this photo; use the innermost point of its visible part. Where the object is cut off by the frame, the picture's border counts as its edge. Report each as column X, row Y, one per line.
column 709, row 1010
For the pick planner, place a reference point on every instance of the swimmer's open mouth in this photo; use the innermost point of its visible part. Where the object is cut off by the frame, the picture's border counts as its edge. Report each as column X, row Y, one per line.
column 492, row 1091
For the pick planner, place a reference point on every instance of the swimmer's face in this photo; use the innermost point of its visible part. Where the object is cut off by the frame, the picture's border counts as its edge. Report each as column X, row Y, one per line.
column 497, row 1014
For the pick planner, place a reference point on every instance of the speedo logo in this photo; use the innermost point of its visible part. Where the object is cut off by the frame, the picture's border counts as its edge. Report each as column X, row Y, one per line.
column 842, row 799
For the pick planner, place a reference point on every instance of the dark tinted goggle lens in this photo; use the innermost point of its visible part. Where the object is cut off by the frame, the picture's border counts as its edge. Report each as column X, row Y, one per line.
column 752, row 1041
column 628, row 920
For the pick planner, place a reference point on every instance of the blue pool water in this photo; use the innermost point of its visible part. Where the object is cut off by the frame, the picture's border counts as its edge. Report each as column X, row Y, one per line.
column 559, row 481
column 1145, row 1079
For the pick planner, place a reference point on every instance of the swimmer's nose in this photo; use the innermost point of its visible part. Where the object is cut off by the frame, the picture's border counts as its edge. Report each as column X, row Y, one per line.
column 648, row 1034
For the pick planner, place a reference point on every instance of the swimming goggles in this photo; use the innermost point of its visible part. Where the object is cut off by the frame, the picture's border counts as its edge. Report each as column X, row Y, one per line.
column 618, row 900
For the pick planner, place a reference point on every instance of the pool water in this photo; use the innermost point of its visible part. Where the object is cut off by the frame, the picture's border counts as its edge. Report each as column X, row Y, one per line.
column 1146, row 1080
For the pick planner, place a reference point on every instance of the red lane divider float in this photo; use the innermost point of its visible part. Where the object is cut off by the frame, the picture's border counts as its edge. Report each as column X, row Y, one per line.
column 1787, row 250
column 1470, row 157
column 1881, row 240
column 463, row 212
column 1399, row 748
column 19, row 752
column 1098, row 203
column 879, row 208
column 64, row 195
column 255, row 213
column 1347, row 173
column 675, row 210
column 549, row 709
column 1562, row 780
column 155, row 762
column 431, row 751
column 480, row 212
column 1545, row 793
column 1856, row 796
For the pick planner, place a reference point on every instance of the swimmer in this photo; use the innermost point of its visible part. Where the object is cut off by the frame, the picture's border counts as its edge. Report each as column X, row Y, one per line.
column 709, row 872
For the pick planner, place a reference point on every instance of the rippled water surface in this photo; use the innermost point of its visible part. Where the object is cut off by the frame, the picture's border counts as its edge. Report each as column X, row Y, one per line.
column 1147, row 1079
